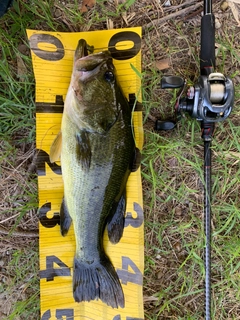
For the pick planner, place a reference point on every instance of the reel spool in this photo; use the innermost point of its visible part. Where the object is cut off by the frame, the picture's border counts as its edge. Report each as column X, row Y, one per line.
column 217, row 88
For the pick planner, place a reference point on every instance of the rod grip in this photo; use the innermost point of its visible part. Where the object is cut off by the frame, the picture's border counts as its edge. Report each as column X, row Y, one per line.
column 207, row 52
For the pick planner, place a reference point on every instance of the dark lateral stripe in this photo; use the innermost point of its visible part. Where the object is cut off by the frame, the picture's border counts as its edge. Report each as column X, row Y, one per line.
column 48, row 108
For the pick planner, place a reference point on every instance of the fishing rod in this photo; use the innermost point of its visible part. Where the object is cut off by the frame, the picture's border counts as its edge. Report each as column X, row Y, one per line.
column 209, row 101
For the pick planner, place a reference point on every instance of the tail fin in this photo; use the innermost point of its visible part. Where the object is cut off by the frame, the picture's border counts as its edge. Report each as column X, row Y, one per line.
column 98, row 280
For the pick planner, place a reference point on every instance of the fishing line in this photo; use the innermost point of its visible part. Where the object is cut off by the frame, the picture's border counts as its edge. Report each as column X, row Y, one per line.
column 51, row 47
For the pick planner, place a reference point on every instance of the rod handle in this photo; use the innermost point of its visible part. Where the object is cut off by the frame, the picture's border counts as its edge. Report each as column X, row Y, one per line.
column 207, row 52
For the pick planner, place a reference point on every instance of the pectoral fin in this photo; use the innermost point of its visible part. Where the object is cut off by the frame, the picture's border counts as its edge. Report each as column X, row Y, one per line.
column 84, row 149
column 56, row 148
column 116, row 220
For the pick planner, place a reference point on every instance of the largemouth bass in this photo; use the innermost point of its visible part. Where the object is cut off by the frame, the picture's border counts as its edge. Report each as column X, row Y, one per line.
column 97, row 151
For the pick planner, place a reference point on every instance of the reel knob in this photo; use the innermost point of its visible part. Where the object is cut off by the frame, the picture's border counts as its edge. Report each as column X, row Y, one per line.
column 164, row 125
column 172, row 82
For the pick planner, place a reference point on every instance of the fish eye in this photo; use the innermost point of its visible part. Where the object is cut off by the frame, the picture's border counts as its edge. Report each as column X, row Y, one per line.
column 109, row 76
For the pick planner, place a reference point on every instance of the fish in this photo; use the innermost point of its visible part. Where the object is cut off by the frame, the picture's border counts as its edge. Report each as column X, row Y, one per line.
column 97, row 150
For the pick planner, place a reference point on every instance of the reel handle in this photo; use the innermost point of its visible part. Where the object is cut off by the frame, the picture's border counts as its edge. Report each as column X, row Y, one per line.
column 169, row 82
column 164, row 125
column 172, row 82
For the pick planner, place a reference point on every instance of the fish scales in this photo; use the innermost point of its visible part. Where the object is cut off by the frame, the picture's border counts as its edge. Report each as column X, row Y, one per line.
column 90, row 193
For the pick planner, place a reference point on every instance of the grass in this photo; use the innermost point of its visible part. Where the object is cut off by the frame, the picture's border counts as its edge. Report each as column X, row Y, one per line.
column 20, row 291
column 171, row 165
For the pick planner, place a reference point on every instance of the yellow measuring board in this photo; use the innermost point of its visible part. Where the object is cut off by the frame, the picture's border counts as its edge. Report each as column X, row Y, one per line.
column 52, row 58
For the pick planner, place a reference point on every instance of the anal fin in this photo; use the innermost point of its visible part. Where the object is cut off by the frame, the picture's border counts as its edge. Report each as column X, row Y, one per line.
column 65, row 219
column 116, row 220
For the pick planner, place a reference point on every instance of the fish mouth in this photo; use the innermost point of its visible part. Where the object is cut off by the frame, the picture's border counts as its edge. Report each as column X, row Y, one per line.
column 95, row 72
column 90, row 66
column 82, row 49
column 91, row 62
column 85, row 62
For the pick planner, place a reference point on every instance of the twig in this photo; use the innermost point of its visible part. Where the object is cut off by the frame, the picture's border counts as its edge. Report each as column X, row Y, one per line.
column 195, row 13
column 18, row 233
column 9, row 218
column 171, row 16
column 151, row 117
column 182, row 5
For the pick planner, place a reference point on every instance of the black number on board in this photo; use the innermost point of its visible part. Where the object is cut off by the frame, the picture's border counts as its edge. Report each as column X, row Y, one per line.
column 138, row 220
column 49, row 39
column 127, row 53
column 126, row 276
column 46, row 315
column 118, row 317
column 44, row 220
column 46, row 107
column 60, row 314
column 51, row 272
column 64, row 314
column 42, row 159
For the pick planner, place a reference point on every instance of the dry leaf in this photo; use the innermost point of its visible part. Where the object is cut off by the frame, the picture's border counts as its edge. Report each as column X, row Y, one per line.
column 162, row 64
column 224, row 5
column 234, row 9
column 232, row 154
column 21, row 68
column 124, row 16
column 152, row 298
column 110, row 24
column 236, row 1
column 87, row 4
column 220, row 46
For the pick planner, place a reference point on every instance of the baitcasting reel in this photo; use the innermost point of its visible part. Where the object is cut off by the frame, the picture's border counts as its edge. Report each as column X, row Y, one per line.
column 210, row 100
